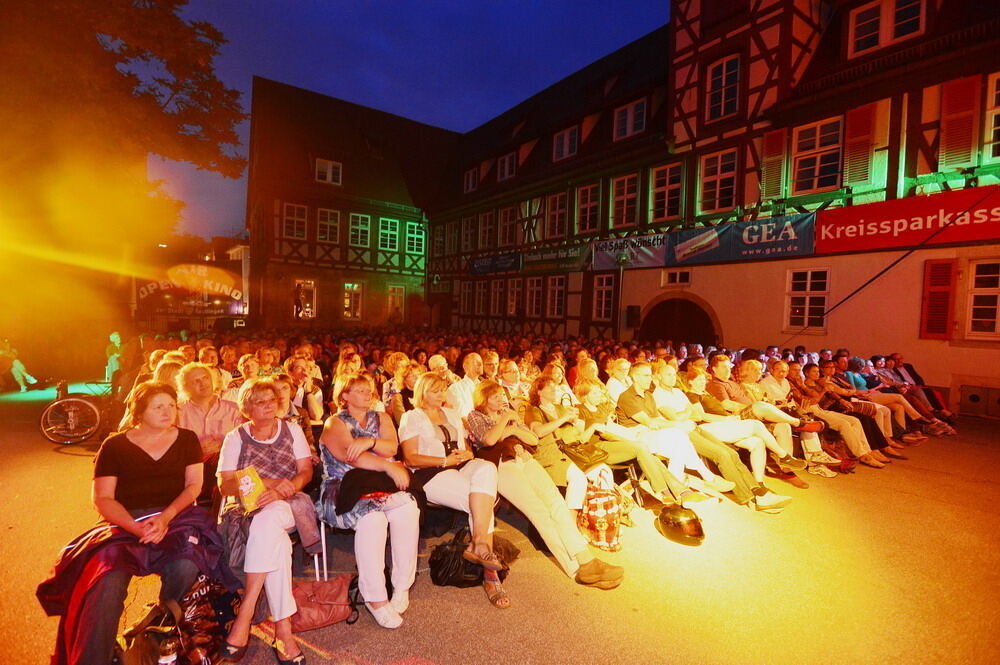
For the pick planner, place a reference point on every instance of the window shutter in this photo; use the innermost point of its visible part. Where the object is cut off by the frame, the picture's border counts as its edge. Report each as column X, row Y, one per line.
column 959, row 133
column 772, row 170
column 938, row 299
column 859, row 141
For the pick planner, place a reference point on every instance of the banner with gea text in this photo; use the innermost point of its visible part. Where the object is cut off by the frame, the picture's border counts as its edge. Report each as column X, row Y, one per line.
column 774, row 237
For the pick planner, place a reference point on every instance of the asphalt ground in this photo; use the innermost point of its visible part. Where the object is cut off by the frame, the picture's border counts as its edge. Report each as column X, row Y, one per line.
column 883, row 566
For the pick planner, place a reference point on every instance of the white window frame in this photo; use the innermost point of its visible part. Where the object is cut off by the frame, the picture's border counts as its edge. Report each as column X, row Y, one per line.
column 468, row 233
column 308, row 289
column 991, row 126
column 487, row 230
column 556, row 215
column 328, row 171
column 555, row 297
column 496, row 297
column 810, row 298
column 987, row 291
column 467, row 298
column 629, row 120
column 588, row 208
column 717, row 83
column 718, row 179
column 451, row 237
column 566, row 143
column 327, row 225
column 482, row 297
column 360, row 233
column 470, row 181
column 664, row 187
column 388, row 234
column 886, row 25
column 416, row 241
column 604, row 298
column 513, row 296
column 814, row 150
column 294, row 221
column 625, row 198
column 396, row 295
column 507, row 166
column 352, row 301
column 508, row 226
column 534, row 287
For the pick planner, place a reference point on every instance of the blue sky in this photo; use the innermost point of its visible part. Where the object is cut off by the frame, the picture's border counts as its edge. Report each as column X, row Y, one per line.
column 447, row 63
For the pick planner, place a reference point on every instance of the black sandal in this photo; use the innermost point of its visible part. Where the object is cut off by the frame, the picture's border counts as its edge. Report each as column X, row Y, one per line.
column 230, row 653
column 297, row 660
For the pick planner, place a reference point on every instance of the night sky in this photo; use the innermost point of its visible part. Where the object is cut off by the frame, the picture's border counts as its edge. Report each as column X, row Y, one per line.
column 450, row 63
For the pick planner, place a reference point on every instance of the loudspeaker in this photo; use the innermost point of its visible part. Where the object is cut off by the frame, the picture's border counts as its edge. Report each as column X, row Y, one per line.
column 632, row 314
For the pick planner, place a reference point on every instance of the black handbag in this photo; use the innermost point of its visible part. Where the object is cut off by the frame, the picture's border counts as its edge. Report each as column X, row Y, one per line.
column 449, row 568
column 585, row 454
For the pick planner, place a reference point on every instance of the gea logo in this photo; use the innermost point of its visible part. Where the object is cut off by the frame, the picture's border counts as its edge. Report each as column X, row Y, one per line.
column 774, row 232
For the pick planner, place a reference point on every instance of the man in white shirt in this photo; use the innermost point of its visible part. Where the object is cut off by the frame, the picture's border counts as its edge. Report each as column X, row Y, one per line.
column 460, row 392
column 619, row 379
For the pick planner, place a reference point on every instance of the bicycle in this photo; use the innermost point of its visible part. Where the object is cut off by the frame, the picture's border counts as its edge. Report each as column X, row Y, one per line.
column 75, row 417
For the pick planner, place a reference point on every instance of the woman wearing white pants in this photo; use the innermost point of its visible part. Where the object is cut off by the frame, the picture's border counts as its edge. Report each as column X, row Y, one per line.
column 434, row 447
column 364, row 488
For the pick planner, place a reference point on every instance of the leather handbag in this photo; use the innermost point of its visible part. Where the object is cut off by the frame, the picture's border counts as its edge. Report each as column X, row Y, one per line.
column 585, row 454
column 448, row 566
column 324, row 602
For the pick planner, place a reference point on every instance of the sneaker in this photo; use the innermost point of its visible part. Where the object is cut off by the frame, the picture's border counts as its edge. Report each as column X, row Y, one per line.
column 821, row 470
column 789, row 462
column 821, row 457
column 400, row 601
column 385, row 616
column 596, row 571
column 772, row 500
column 720, row 484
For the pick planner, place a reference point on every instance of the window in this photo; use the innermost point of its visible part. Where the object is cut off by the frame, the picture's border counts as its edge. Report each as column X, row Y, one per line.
column 416, row 242
column 328, row 171
column 496, row 298
column 556, row 308
column 438, row 240
column 587, row 208
column 992, row 142
column 665, row 193
column 817, row 157
column 508, row 226
column 487, row 231
column 718, row 181
column 451, row 238
column 604, row 297
column 304, row 300
column 884, row 22
column 327, row 225
column 466, row 303
column 506, row 166
column 625, row 192
column 676, row 278
column 352, row 301
column 468, row 234
column 388, row 234
column 565, row 143
column 984, row 299
column 397, row 303
column 293, row 223
column 514, row 297
column 533, row 301
column 555, row 216
column 630, row 119
column 471, row 180
column 530, row 220
column 807, row 296
column 361, row 229
column 482, row 291
column 723, row 89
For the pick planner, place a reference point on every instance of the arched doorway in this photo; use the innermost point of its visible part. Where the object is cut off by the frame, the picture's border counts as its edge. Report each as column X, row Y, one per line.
column 679, row 320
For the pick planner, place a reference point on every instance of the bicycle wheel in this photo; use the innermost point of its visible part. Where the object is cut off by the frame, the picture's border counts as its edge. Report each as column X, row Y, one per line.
column 69, row 420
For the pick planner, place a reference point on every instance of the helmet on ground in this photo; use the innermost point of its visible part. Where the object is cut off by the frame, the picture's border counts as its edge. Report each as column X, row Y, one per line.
column 680, row 525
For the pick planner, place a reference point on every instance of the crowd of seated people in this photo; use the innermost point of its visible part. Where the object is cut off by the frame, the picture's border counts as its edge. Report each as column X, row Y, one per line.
column 364, row 429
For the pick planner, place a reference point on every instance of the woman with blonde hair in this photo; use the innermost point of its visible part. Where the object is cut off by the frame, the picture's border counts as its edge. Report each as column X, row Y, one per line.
column 364, row 489
column 498, row 435
column 434, row 446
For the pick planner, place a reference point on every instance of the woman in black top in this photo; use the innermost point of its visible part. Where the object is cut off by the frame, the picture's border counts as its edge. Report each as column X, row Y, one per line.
column 144, row 479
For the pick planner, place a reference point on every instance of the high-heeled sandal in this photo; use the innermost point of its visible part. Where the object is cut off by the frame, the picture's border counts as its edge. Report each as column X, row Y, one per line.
column 230, row 653
column 295, row 660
